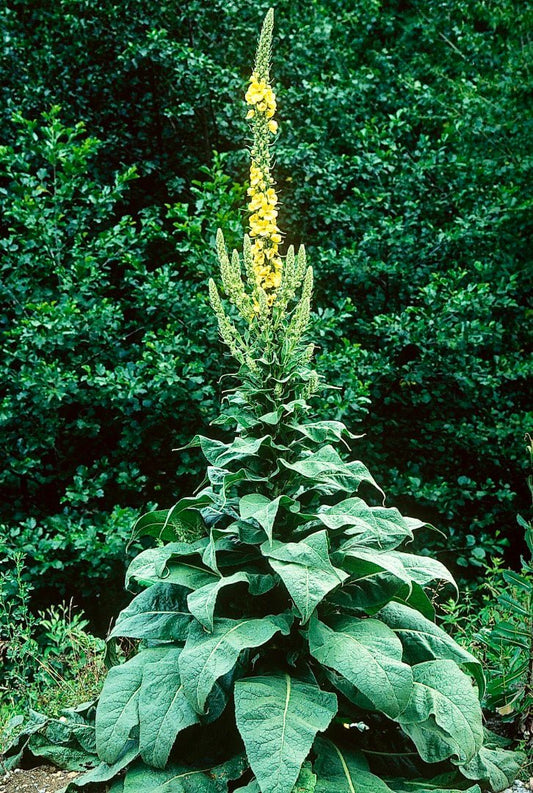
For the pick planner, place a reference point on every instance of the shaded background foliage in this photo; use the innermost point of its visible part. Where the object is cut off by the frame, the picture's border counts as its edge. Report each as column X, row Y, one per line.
column 403, row 164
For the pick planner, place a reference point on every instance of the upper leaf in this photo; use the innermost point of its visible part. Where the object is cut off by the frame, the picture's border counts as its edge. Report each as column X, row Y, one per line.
column 326, row 468
column 278, row 718
column 202, row 601
column 208, row 656
column 263, row 510
column 306, row 570
column 376, row 527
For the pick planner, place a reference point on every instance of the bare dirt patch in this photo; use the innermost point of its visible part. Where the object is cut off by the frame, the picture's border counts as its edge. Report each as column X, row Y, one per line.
column 43, row 779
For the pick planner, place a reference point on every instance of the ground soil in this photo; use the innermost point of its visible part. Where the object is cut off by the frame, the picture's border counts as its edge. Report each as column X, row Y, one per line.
column 43, row 779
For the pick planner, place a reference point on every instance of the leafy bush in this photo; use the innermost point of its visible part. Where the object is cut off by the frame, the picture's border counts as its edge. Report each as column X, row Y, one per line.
column 48, row 659
column 404, row 162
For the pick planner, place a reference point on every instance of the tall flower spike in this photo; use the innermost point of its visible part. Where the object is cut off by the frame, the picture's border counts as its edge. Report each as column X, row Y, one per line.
column 262, row 197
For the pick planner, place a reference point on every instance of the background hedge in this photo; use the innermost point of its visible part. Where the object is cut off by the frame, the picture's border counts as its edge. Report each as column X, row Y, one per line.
column 403, row 164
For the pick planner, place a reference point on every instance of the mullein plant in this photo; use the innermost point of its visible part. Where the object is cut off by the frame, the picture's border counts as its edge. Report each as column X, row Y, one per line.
column 291, row 643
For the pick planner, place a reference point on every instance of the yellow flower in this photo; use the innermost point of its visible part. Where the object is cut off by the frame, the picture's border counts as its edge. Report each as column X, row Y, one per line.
column 273, row 126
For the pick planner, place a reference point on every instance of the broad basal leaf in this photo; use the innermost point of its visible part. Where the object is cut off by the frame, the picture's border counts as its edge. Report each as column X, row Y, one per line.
column 163, row 709
column 369, row 655
column 263, row 510
column 305, row 569
column 278, row 718
column 424, row 641
column 208, row 656
column 341, row 771
column 443, row 716
column 326, row 467
column 375, row 527
column 105, row 772
column 184, row 779
column 159, row 612
column 498, row 767
column 202, row 602
column 117, row 712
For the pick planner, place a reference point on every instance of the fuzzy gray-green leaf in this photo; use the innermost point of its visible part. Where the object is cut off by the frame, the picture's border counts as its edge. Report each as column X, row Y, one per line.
column 341, row 771
column 163, row 709
column 424, row 641
column 369, row 655
column 443, row 716
column 159, row 612
column 306, row 570
column 278, row 718
column 208, row 656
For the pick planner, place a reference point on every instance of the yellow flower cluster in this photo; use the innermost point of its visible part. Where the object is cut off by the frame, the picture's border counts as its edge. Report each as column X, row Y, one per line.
column 263, row 200
column 263, row 100
column 264, row 230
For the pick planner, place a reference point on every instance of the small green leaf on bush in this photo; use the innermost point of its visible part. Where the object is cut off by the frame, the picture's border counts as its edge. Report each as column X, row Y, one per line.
column 278, row 718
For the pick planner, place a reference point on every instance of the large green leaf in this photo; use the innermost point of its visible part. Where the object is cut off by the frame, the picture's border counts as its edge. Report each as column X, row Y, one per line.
column 341, row 771
column 424, row 641
column 152, row 565
column 376, row 527
column 430, row 786
column 263, row 510
column 305, row 569
column 326, row 467
column 117, row 712
column 163, row 709
column 424, row 569
column 371, row 590
column 498, row 767
column 359, row 561
column 221, row 454
column 324, row 431
column 278, row 718
column 159, row 612
column 104, row 772
column 202, row 602
column 369, row 655
column 165, row 524
column 443, row 716
column 184, row 779
column 208, row 656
